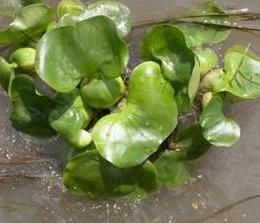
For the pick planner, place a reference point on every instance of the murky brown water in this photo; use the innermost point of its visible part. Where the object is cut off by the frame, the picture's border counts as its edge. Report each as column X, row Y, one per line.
column 222, row 177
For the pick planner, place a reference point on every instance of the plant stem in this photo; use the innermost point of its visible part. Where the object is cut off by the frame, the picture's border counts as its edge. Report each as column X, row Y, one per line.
column 248, row 16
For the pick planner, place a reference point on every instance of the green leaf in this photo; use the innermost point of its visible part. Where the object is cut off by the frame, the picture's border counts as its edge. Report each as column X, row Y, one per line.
column 30, row 21
column 192, row 141
column 181, row 97
column 30, row 111
column 173, row 172
column 24, row 58
column 11, row 7
column 91, row 175
column 6, row 74
column 199, row 34
column 114, row 10
column 166, row 45
column 69, row 7
column 103, row 93
column 242, row 67
column 127, row 138
column 186, row 93
column 91, row 48
column 208, row 60
column 217, row 128
column 70, row 117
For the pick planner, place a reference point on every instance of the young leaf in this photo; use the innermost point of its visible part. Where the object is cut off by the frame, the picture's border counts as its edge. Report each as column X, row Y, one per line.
column 6, row 74
column 91, row 175
column 166, row 44
column 127, row 138
column 216, row 128
column 172, row 171
column 185, row 93
column 24, row 58
column 11, row 7
column 30, row 21
column 192, row 141
column 69, row 7
column 103, row 93
column 208, row 60
column 91, row 48
column 30, row 111
column 70, row 117
column 114, row 10
column 242, row 67
column 198, row 34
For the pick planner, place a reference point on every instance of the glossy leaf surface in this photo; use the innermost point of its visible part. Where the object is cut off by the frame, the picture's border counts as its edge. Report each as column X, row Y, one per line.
column 69, row 7
column 199, row 34
column 70, row 117
column 30, row 21
column 192, row 141
column 173, row 172
column 114, row 10
column 91, row 175
column 166, row 44
column 242, row 67
column 127, row 138
column 24, row 58
column 91, row 48
column 208, row 60
column 216, row 127
column 103, row 93
column 30, row 111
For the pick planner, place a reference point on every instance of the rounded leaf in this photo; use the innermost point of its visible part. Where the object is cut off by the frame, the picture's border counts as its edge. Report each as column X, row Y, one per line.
column 69, row 6
column 30, row 21
column 127, row 138
column 208, row 60
column 173, row 172
column 30, row 111
column 166, row 44
column 91, row 48
column 91, row 175
column 114, row 10
column 103, row 93
column 24, row 58
column 216, row 128
column 70, row 117
column 242, row 67
column 199, row 34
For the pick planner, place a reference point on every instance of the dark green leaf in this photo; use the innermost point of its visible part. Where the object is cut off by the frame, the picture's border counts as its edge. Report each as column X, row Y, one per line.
column 30, row 111
column 115, row 10
column 91, row 175
column 192, row 141
column 199, row 34
column 127, row 138
column 30, row 21
column 173, row 172
column 91, row 48
column 166, row 45
column 70, row 117
column 217, row 128
column 103, row 93
column 185, row 93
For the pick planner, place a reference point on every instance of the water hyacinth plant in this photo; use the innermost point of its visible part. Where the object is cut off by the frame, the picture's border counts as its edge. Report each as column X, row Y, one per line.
column 125, row 131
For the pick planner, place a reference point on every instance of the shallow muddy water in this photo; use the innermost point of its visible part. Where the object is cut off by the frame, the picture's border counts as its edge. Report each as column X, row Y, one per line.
column 225, row 185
